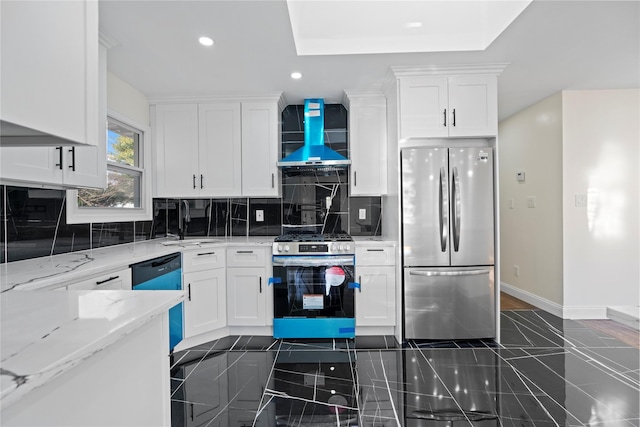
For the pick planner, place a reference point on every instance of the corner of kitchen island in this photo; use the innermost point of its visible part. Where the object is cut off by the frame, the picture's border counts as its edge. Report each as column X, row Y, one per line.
column 83, row 358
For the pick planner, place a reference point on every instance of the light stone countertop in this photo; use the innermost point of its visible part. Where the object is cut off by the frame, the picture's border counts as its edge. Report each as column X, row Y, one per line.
column 47, row 333
column 59, row 270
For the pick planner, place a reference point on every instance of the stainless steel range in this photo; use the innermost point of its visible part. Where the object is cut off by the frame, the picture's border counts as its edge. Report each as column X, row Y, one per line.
column 313, row 279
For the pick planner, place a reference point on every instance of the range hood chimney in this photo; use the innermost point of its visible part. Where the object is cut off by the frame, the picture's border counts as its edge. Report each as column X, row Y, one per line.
column 314, row 152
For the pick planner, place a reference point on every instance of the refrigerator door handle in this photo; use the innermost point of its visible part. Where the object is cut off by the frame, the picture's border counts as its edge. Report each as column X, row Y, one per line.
column 429, row 273
column 443, row 211
column 455, row 204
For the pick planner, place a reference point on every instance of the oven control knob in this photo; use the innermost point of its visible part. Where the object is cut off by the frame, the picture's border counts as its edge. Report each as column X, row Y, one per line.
column 286, row 248
column 347, row 247
column 334, row 248
column 342, row 247
column 279, row 248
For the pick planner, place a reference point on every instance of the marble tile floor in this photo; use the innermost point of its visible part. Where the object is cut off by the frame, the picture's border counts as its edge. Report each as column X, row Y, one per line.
column 545, row 372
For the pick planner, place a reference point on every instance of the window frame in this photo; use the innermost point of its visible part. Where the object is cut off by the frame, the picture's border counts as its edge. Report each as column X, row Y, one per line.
column 81, row 215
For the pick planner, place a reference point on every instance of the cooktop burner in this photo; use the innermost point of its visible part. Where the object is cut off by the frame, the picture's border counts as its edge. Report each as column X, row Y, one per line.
column 313, row 237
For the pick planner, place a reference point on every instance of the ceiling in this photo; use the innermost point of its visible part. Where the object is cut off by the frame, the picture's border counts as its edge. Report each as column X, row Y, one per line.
column 551, row 46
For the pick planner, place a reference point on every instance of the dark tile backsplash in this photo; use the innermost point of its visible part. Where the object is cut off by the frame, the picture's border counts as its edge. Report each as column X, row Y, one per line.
column 34, row 222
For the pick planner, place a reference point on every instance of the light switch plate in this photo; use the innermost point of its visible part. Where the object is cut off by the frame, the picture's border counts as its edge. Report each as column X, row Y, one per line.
column 362, row 214
column 259, row 215
column 531, row 201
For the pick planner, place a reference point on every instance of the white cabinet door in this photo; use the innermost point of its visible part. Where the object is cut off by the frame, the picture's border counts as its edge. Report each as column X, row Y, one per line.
column 50, row 68
column 205, row 307
column 175, row 146
column 453, row 106
column 37, row 165
column 376, row 299
column 64, row 166
column 246, row 296
column 368, row 145
column 423, row 107
column 260, row 149
column 220, row 150
column 473, row 101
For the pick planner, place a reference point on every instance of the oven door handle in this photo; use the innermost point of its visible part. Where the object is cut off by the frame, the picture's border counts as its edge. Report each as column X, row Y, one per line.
column 312, row 261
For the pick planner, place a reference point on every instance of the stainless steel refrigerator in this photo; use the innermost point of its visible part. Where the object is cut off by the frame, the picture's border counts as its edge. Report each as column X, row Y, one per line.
column 448, row 243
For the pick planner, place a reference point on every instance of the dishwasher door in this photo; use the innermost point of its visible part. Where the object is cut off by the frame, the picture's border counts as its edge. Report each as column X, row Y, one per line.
column 162, row 274
column 449, row 303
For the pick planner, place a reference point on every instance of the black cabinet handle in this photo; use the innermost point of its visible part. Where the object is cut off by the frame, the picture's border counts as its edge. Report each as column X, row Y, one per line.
column 360, row 281
column 59, row 164
column 273, row 180
column 107, row 280
column 189, row 291
column 206, row 253
column 454, row 117
column 375, row 250
column 244, row 252
column 355, row 178
column 73, row 159
column 201, row 181
column 194, row 181
column 444, row 114
column 260, row 281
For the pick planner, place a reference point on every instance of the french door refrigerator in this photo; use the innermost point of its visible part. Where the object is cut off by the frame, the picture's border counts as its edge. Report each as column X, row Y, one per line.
column 448, row 243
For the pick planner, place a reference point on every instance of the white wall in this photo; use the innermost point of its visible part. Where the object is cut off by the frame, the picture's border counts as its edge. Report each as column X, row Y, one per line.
column 127, row 100
column 601, row 150
column 531, row 238
column 574, row 261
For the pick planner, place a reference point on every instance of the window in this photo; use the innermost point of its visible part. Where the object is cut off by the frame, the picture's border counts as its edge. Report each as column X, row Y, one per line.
column 127, row 196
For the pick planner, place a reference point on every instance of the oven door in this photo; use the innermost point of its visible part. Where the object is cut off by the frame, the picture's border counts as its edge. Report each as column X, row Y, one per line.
column 314, row 286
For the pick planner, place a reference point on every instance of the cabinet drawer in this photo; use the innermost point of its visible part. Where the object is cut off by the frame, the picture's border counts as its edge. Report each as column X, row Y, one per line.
column 203, row 259
column 120, row 279
column 375, row 255
column 246, row 257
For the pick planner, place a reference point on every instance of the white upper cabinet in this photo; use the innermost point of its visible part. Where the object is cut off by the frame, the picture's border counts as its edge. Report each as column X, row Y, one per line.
column 197, row 150
column 216, row 149
column 220, row 149
column 49, row 73
column 260, row 149
column 367, row 144
column 62, row 166
column 434, row 104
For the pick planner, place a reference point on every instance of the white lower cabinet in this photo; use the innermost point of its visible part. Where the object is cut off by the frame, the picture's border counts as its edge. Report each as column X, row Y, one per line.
column 376, row 298
column 204, row 282
column 118, row 280
column 249, row 302
column 205, row 305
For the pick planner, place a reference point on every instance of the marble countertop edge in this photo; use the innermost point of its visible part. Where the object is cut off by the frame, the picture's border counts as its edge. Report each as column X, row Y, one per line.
column 26, row 365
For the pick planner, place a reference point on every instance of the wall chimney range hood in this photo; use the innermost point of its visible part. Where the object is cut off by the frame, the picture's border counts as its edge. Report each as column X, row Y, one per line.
column 314, row 152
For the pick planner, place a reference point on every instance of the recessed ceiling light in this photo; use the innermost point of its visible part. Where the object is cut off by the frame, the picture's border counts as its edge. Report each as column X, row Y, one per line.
column 206, row 41
column 296, row 75
column 414, row 24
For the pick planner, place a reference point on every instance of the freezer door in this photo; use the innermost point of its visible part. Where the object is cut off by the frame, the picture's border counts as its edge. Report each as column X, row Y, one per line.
column 471, row 192
column 449, row 303
column 425, row 207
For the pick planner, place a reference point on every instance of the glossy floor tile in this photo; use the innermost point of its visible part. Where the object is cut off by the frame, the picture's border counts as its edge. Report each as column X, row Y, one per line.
column 545, row 372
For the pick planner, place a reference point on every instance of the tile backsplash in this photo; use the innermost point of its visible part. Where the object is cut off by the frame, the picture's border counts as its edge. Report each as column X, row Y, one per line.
column 34, row 220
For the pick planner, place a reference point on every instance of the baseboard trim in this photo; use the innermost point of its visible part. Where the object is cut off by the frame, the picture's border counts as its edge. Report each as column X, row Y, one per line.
column 535, row 300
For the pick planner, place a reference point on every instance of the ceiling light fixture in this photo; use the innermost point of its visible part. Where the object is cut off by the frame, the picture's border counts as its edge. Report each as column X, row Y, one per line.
column 206, row 41
column 296, row 75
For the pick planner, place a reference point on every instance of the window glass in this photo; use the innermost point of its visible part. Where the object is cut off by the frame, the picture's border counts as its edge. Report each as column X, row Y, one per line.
column 124, row 175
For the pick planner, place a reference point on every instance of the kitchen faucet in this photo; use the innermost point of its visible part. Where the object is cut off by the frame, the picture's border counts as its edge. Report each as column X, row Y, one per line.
column 185, row 218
